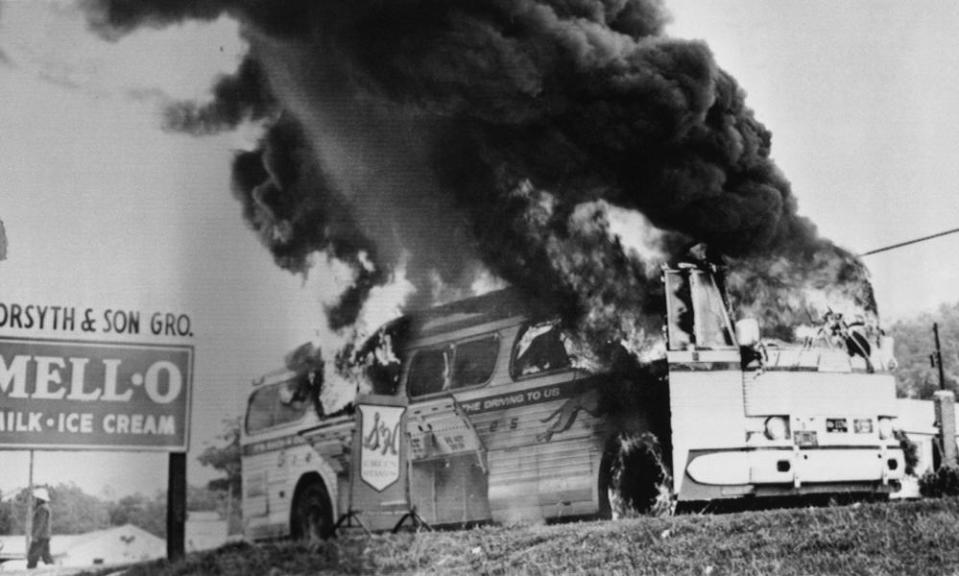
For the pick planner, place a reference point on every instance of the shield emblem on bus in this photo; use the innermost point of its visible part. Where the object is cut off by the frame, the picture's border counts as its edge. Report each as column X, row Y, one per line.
column 380, row 447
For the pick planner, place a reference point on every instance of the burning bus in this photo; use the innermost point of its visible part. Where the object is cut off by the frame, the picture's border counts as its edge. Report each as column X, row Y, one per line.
column 566, row 149
column 507, row 422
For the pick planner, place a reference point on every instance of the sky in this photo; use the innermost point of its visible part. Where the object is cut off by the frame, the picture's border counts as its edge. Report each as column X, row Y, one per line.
column 860, row 96
column 104, row 209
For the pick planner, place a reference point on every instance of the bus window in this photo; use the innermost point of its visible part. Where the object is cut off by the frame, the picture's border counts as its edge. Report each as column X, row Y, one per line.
column 474, row 361
column 274, row 405
column 429, row 372
column 293, row 401
column 712, row 325
column 259, row 413
column 679, row 308
column 540, row 348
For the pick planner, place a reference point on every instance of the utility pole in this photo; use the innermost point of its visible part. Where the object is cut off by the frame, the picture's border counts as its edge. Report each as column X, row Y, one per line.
column 938, row 357
column 945, row 409
column 28, row 521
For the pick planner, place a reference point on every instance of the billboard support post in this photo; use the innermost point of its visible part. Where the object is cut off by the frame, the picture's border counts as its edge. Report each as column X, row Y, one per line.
column 176, row 507
column 28, row 521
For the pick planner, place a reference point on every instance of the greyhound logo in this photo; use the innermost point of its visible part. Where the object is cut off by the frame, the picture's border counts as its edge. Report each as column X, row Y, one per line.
column 565, row 416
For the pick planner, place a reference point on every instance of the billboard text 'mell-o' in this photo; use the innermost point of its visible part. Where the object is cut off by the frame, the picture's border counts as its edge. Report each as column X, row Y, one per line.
column 62, row 394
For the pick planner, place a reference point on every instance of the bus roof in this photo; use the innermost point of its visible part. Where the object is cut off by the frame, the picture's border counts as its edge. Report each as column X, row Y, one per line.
column 484, row 309
column 277, row 375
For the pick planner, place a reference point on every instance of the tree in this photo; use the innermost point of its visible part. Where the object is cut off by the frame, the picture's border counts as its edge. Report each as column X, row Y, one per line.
column 150, row 513
column 127, row 510
column 15, row 511
column 141, row 511
column 73, row 511
column 916, row 377
column 225, row 456
column 6, row 517
column 76, row 512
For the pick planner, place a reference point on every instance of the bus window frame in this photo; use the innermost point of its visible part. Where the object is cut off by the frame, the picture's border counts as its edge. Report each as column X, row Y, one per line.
column 517, row 377
column 695, row 283
column 706, row 284
column 675, row 281
column 272, row 427
column 495, row 336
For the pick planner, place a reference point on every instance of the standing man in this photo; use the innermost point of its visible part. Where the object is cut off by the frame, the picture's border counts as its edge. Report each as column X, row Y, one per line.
column 42, row 529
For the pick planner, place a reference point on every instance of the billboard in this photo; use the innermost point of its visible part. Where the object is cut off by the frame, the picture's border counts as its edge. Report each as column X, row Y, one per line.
column 62, row 394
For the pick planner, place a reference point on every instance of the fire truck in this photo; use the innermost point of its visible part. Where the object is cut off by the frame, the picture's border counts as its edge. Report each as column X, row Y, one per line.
column 503, row 424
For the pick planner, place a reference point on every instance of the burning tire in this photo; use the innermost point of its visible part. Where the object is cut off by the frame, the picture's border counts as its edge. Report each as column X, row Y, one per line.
column 635, row 479
column 312, row 518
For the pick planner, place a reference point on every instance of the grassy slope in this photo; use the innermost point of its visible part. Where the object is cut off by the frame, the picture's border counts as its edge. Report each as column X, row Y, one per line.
column 888, row 538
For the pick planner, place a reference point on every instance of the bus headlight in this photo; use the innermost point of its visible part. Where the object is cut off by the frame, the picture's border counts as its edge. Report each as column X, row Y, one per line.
column 885, row 428
column 777, row 428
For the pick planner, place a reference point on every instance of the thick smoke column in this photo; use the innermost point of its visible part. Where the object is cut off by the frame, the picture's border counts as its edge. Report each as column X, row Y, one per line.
column 442, row 134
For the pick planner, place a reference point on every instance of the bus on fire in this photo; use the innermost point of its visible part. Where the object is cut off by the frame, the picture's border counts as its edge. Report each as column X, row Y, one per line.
column 504, row 424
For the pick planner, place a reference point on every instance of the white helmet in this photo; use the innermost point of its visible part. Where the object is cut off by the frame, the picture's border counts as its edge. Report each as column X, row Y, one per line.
column 41, row 494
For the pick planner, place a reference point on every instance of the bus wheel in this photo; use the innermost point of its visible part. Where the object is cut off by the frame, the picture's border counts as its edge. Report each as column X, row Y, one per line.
column 312, row 513
column 635, row 480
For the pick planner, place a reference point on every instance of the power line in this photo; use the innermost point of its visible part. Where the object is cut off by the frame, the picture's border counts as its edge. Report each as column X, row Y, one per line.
column 908, row 242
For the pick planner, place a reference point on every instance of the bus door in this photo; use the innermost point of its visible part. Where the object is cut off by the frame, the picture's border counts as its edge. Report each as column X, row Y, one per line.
column 448, row 482
column 705, row 376
column 448, row 474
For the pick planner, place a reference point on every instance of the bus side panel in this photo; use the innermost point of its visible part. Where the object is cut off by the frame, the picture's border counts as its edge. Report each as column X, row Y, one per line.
column 541, row 443
column 706, row 412
column 550, row 481
column 544, row 454
column 256, row 502
column 273, row 465
column 450, row 490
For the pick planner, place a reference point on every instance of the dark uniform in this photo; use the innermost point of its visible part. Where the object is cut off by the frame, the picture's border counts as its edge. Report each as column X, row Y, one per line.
column 40, row 537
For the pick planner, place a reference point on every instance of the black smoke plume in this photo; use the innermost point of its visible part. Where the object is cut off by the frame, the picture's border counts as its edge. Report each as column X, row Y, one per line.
column 241, row 97
column 452, row 136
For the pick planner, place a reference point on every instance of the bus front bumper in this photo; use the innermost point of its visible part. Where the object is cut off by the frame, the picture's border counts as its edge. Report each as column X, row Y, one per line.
column 790, row 470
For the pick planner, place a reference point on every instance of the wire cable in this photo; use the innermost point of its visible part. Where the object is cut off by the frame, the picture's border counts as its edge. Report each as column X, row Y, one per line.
column 908, row 242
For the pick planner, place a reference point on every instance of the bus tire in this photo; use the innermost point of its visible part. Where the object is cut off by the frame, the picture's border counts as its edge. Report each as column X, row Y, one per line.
column 312, row 515
column 633, row 479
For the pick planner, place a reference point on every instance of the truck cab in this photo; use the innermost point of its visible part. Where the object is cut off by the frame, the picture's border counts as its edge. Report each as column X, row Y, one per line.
column 754, row 418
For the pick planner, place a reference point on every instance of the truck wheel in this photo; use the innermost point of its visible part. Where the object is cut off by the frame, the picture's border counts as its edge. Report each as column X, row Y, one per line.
column 312, row 513
column 635, row 479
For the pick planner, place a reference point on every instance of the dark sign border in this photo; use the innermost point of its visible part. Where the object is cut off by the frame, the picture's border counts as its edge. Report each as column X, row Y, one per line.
column 188, row 382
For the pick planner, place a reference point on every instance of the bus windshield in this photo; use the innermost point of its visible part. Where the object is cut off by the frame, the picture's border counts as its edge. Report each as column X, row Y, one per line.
column 276, row 404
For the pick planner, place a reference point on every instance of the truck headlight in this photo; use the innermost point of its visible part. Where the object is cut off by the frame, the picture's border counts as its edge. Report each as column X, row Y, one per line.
column 885, row 428
column 777, row 428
